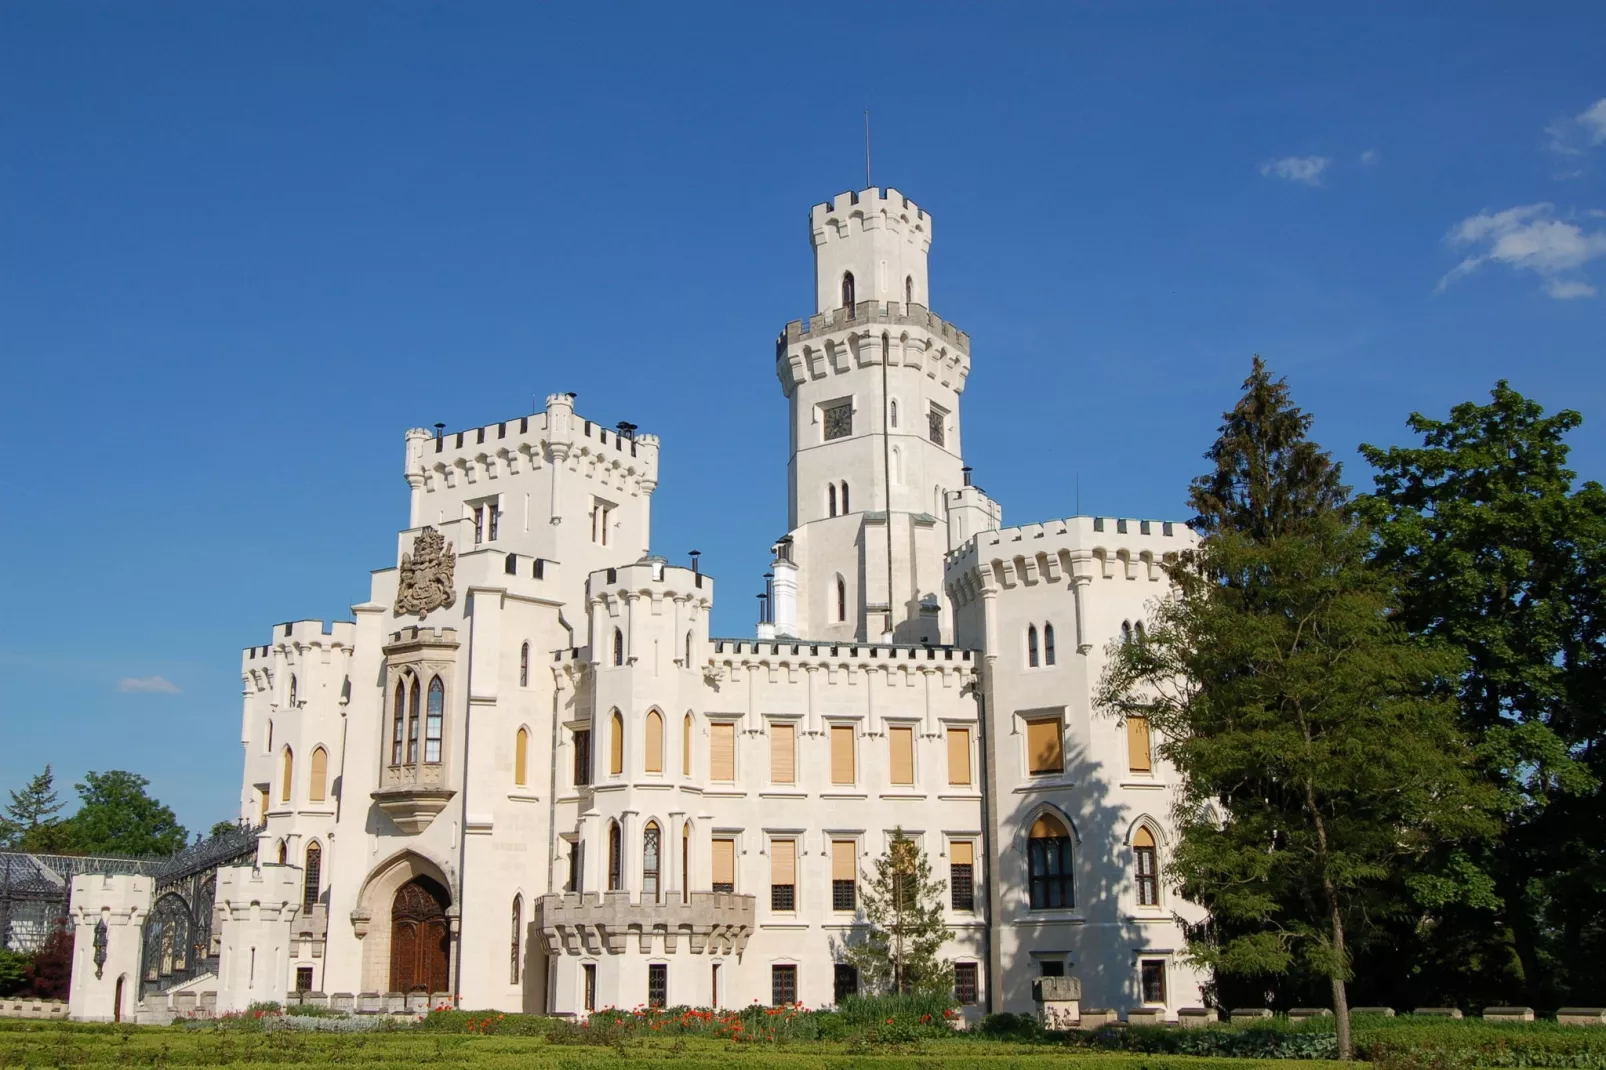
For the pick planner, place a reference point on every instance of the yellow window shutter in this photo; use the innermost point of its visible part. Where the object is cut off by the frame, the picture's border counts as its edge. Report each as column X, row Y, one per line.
column 962, row 853
column 685, row 746
column 722, row 751
column 1043, row 746
column 959, row 756
column 843, row 860
column 1143, row 837
column 320, row 775
column 783, row 753
column 655, row 742
column 521, row 756
column 902, row 739
column 289, row 775
column 725, row 862
column 1137, row 745
column 783, row 862
column 616, row 744
column 841, row 754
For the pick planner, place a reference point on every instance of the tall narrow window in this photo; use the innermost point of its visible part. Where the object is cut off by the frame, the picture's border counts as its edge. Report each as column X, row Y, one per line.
column 1139, row 759
column 414, row 694
column 651, row 854
column 399, row 718
column 292, row 691
column 783, row 754
column 844, row 981
column 655, row 742
column 783, row 985
column 901, row 742
column 516, row 944
column 724, row 861
column 1048, row 644
column 577, row 858
column 842, row 754
column 493, row 515
column 521, row 757
column 1145, row 867
column 1031, row 647
column 657, row 984
column 318, row 776
column 262, row 806
column 847, row 292
column 783, row 875
column 588, row 974
column 841, row 599
column 685, row 745
column 1048, row 863
column 713, row 984
column 1151, row 979
column 311, row 875
column 962, row 875
column 722, row 752
column 830, row 500
column 524, row 665
column 1044, row 750
column 685, row 862
column 616, row 744
column 908, row 291
column 434, row 720
column 1126, row 631
column 479, row 524
column 582, row 757
column 615, row 857
column 601, row 521
column 965, row 987
column 618, row 647
column 845, row 508
column 892, row 413
column 688, row 650
column 959, row 756
column 289, row 775
column 844, row 875
column 284, row 853
column 1138, row 634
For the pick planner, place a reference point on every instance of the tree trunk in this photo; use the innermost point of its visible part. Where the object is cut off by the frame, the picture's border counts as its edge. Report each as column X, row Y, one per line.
column 1346, row 1044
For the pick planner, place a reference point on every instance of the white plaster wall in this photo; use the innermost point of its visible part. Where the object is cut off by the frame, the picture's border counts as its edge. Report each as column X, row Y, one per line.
column 879, row 235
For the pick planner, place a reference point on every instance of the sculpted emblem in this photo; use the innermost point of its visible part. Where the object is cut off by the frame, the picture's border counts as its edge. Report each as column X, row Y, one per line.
column 426, row 575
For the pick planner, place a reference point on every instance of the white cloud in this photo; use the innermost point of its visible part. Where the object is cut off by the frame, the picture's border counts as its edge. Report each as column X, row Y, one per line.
column 1371, row 158
column 1528, row 238
column 1306, row 169
column 147, row 685
column 1576, row 136
column 1592, row 120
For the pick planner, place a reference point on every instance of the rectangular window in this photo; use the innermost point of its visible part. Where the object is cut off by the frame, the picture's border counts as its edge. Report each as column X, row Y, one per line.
column 479, row 524
column 1138, row 758
column 494, row 516
column 576, row 866
column 962, row 875
column 582, row 757
column 844, row 982
column 783, row 754
column 589, row 979
column 783, row 875
column 844, row 875
column 1043, row 747
column 1151, row 974
column 713, row 985
column 965, row 986
column 902, row 741
column 783, row 985
column 1053, row 967
column 936, row 421
column 303, row 978
column 657, row 983
column 841, row 754
column 1148, row 877
column 724, row 865
column 959, row 756
column 601, row 521
column 722, row 751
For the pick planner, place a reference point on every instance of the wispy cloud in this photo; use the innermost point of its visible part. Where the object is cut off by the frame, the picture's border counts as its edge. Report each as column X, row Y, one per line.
column 147, row 685
column 1306, row 169
column 1574, row 137
column 1528, row 238
column 1371, row 158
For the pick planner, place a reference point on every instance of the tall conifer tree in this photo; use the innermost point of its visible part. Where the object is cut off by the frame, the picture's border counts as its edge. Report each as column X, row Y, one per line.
column 904, row 906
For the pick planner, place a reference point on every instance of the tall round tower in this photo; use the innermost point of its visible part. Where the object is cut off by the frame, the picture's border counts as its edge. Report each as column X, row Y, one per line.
column 873, row 380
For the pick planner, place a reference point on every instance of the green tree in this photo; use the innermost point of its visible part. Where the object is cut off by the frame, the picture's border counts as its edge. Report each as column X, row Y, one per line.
column 1495, row 551
column 30, row 818
column 222, row 828
column 13, row 971
column 904, row 906
column 116, row 816
column 1318, row 760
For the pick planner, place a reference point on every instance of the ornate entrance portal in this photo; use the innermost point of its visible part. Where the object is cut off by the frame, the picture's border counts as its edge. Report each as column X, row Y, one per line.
column 418, row 938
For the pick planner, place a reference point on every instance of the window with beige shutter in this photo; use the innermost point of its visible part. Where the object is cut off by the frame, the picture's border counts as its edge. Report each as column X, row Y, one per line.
column 783, row 754
column 722, row 751
column 724, row 859
column 959, row 756
column 962, row 875
column 901, row 738
column 1044, row 753
column 783, row 875
column 844, row 871
column 616, row 744
column 842, row 754
column 655, row 742
column 1138, row 756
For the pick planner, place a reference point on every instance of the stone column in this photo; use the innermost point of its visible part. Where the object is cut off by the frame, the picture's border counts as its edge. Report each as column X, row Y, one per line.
column 258, row 905
column 108, row 913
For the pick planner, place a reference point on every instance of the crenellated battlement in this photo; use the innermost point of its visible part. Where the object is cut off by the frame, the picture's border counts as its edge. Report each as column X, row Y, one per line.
column 300, row 636
column 651, row 577
column 1075, row 549
column 870, row 314
column 870, row 209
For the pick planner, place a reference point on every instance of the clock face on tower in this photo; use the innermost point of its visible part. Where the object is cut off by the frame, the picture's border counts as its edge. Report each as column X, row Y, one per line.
column 839, row 420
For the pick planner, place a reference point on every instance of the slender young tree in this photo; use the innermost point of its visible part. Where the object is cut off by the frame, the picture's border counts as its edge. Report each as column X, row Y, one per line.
column 904, row 906
column 30, row 818
column 1318, row 758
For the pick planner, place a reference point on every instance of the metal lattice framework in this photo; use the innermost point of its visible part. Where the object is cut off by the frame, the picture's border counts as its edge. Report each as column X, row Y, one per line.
column 35, row 891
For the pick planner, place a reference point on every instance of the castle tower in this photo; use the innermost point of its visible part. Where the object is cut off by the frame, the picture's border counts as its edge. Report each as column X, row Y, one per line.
column 873, row 380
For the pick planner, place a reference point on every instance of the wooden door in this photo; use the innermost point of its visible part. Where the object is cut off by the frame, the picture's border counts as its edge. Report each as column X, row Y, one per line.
column 419, row 938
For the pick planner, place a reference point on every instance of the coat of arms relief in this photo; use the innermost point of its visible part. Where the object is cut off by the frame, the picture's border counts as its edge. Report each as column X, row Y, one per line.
column 426, row 575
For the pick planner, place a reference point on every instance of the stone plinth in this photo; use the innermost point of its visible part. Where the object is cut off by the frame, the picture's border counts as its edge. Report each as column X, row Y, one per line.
column 1438, row 1012
column 1059, row 1002
column 1508, row 1014
column 1196, row 1017
column 611, row 923
column 1145, row 1016
column 1386, row 1012
column 1241, row 1015
column 1299, row 1014
column 1581, row 1016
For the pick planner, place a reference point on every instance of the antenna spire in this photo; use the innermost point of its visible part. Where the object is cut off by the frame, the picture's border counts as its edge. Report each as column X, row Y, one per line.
column 867, row 183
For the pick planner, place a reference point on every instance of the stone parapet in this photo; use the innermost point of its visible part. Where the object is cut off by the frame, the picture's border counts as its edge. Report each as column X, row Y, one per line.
column 1582, row 1016
column 1508, row 1014
column 613, row 923
column 33, row 1008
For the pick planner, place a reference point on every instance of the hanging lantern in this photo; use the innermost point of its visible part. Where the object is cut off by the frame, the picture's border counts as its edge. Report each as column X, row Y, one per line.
column 100, row 946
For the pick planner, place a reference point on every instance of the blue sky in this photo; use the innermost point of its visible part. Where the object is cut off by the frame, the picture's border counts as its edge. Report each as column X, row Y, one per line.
column 244, row 246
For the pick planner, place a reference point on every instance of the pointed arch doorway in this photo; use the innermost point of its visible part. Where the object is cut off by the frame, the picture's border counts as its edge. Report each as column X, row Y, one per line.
column 419, row 938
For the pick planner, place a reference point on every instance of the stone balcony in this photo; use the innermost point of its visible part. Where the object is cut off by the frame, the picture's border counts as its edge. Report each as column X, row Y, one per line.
column 607, row 922
column 411, row 795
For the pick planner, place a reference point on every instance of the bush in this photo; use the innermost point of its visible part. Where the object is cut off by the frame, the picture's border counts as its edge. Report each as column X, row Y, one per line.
column 1230, row 1043
column 312, row 1010
column 1007, row 1026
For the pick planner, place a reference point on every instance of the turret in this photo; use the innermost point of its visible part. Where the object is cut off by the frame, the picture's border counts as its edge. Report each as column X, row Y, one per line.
column 869, row 246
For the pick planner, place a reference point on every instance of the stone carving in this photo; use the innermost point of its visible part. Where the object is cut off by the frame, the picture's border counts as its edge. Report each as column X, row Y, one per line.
column 426, row 575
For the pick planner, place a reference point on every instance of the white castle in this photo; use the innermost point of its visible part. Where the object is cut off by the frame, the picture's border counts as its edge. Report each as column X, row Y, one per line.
column 527, row 777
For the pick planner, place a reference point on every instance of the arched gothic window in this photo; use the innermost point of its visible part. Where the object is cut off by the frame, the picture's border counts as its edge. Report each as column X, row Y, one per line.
column 651, row 849
column 524, row 665
column 1145, row 867
column 618, row 647
column 908, row 290
column 1126, row 631
column 517, row 944
column 521, row 757
column 414, row 694
column 289, row 774
column 1138, row 633
column 267, row 745
column 318, row 776
column 655, row 742
column 1031, row 646
column 830, row 500
column 1048, row 644
column 399, row 717
column 685, row 745
column 841, row 599
column 311, row 877
column 616, row 744
column 688, row 650
column 896, row 475
column 845, row 497
column 284, row 853
column 892, row 413
column 685, row 862
column 847, row 292
column 1048, row 865
column 615, row 859
column 434, row 720
column 292, row 691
